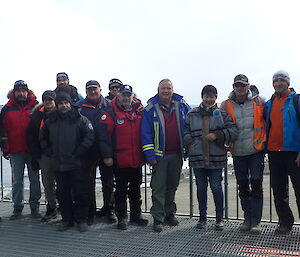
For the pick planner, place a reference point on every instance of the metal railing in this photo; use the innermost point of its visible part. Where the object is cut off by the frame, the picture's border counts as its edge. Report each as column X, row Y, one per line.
column 231, row 199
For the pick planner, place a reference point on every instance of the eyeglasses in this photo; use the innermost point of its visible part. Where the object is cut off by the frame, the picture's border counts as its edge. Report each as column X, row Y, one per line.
column 239, row 85
column 115, row 87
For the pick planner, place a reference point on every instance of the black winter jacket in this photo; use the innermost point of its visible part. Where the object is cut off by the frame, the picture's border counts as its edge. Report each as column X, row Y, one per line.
column 66, row 138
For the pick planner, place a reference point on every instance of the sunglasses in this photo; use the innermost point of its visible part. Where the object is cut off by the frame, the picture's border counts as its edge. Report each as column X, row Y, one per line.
column 115, row 87
column 240, row 85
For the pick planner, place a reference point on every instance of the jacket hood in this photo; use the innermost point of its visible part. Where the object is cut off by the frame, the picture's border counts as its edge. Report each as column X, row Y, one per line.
column 153, row 100
column 31, row 99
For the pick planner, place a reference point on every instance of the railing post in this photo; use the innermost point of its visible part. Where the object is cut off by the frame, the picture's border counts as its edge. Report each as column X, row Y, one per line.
column 1, row 167
column 145, row 181
column 191, row 193
column 226, row 189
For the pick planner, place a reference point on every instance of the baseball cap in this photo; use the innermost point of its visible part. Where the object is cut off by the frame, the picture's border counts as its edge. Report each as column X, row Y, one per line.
column 92, row 83
column 241, row 78
column 62, row 74
column 126, row 89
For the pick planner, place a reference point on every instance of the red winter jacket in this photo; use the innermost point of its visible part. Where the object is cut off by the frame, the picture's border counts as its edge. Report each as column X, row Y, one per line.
column 14, row 120
column 123, row 129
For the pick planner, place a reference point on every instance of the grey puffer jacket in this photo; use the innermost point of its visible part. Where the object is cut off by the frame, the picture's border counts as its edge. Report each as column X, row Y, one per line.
column 244, row 116
column 201, row 121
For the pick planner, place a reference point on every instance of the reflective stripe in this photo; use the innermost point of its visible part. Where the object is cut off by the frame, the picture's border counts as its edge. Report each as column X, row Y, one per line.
column 159, row 154
column 156, row 135
column 149, row 145
column 148, row 148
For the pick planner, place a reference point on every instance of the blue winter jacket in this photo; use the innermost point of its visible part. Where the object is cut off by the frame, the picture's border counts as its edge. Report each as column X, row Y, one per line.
column 153, row 126
column 291, row 127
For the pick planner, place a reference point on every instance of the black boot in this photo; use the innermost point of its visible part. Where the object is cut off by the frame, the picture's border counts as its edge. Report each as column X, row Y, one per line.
column 136, row 213
column 121, row 212
column 51, row 213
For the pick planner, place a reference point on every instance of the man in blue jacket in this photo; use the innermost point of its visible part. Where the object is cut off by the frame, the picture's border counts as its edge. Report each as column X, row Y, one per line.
column 163, row 148
column 283, row 129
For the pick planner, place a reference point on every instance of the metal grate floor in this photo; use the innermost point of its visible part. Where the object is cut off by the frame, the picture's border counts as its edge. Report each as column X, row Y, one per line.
column 28, row 237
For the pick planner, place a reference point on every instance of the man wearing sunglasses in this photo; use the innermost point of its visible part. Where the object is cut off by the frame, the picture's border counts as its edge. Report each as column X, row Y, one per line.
column 114, row 88
column 283, row 130
column 248, row 157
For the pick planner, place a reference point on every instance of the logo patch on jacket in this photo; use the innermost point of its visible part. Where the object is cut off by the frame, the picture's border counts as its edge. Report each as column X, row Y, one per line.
column 120, row 122
column 103, row 117
column 91, row 126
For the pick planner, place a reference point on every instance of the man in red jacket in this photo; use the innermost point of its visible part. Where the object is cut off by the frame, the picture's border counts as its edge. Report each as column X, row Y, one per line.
column 14, row 119
column 121, row 147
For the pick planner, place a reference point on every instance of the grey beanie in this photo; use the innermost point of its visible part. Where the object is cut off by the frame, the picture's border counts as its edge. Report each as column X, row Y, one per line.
column 281, row 74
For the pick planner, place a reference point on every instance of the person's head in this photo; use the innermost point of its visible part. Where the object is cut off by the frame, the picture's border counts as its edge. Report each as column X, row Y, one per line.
column 241, row 86
column 20, row 90
column 165, row 90
column 48, row 98
column 62, row 80
column 114, row 86
column 125, row 96
column 63, row 102
column 281, row 81
column 209, row 95
column 93, row 90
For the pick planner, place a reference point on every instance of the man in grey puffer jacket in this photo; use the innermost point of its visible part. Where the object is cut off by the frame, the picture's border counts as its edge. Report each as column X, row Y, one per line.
column 247, row 151
column 207, row 130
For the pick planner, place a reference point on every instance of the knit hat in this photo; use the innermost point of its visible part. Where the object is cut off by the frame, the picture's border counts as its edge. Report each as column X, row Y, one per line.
column 281, row 74
column 241, row 78
column 62, row 96
column 209, row 89
column 20, row 84
column 48, row 94
column 113, row 82
column 92, row 83
column 62, row 74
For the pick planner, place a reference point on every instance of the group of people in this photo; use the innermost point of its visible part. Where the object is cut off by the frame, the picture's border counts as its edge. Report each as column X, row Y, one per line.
column 68, row 137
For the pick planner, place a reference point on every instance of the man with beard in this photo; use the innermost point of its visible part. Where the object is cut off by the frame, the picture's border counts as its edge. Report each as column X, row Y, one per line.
column 62, row 80
column 121, row 148
column 246, row 112
column 66, row 138
column 38, row 117
column 92, row 107
column 14, row 120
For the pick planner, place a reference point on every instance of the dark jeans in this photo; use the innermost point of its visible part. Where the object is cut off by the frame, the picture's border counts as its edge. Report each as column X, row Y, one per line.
column 214, row 176
column 106, row 174
column 282, row 165
column 72, row 195
column 249, row 174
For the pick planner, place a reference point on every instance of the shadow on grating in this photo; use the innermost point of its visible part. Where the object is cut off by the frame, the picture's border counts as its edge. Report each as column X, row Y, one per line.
column 28, row 237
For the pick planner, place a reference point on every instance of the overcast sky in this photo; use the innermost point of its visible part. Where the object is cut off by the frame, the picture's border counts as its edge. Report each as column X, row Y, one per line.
column 191, row 42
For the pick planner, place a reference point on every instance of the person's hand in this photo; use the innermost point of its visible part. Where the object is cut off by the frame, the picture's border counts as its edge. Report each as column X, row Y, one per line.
column 6, row 156
column 298, row 160
column 152, row 162
column 211, row 137
column 108, row 162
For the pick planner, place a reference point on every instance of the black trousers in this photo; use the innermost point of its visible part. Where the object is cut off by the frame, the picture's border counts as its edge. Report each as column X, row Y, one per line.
column 107, row 180
column 128, row 182
column 282, row 165
column 72, row 195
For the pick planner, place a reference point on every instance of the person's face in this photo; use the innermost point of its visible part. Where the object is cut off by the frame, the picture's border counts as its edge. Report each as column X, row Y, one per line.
column 49, row 104
column 93, row 93
column 209, row 99
column 165, row 91
column 280, row 85
column 114, row 89
column 64, row 106
column 240, row 89
column 21, row 94
column 125, row 99
column 62, row 82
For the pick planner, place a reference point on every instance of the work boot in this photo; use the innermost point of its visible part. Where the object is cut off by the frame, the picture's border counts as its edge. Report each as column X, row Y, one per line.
column 171, row 220
column 110, row 216
column 157, row 226
column 201, row 224
column 245, row 226
column 122, row 223
column 65, row 226
column 283, row 229
column 16, row 215
column 219, row 225
column 51, row 213
column 138, row 219
column 255, row 229
column 82, row 227
column 35, row 214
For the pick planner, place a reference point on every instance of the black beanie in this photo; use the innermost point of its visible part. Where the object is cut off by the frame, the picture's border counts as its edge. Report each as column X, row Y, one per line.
column 209, row 89
column 62, row 96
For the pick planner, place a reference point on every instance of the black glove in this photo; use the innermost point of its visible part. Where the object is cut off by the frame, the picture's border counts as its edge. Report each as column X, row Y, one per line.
column 6, row 155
